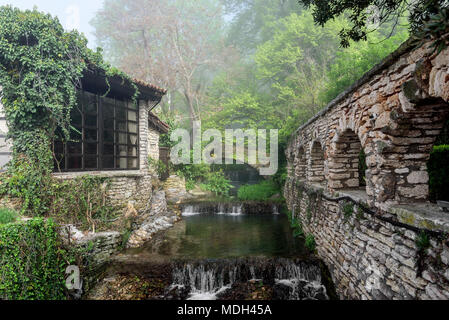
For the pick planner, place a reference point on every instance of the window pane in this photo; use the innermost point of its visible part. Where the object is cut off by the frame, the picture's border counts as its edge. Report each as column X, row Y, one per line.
column 75, row 163
column 108, row 136
column 132, row 140
column 108, row 162
column 91, row 121
column 76, row 117
column 91, row 135
column 120, row 114
column 59, row 147
column 108, row 124
column 75, row 147
column 91, row 162
column 108, row 149
column 90, row 148
column 131, row 105
column 122, row 150
column 122, row 138
column 132, row 151
column 132, row 127
column 132, row 163
column 121, row 126
column 90, row 103
column 122, row 163
column 107, row 105
column 132, row 116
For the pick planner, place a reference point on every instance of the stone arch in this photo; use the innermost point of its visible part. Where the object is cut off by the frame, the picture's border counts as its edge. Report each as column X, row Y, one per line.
column 316, row 163
column 300, row 163
column 345, row 168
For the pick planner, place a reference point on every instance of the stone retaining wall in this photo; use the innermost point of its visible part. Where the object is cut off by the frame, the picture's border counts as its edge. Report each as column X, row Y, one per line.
column 369, row 258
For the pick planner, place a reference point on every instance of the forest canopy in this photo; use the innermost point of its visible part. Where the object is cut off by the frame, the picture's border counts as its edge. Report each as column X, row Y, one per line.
column 239, row 63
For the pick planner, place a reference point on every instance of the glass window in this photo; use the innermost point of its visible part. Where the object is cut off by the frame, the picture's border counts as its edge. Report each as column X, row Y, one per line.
column 103, row 136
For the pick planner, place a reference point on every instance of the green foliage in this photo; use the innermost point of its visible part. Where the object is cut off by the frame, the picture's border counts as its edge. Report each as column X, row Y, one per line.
column 310, row 243
column 40, row 69
column 206, row 176
column 160, row 167
column 359, row 15
column 7, row 216
column 32, row 261
column 258, row 192
column 348, row 210
column 439, row 173
column 217, row 183
column 362, row 167
column 422, row 241
column 81, row 201
column 351, row 63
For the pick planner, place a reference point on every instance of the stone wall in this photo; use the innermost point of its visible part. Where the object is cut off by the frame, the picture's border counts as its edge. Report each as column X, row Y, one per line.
column 369, row 258
column 394, row 114
column 153, row 143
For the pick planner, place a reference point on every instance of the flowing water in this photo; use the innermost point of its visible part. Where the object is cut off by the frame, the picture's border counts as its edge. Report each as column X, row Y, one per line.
column 218, row 247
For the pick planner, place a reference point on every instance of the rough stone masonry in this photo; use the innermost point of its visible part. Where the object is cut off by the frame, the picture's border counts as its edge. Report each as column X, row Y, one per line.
column 394, row 113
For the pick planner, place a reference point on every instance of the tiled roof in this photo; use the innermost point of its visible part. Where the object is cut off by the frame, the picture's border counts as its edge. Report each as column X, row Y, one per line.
column 161, row 125
column 150, row 86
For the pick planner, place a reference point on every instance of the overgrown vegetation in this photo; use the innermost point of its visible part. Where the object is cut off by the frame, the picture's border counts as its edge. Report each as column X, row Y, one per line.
column 262, row 191
column 40, row 70
column 310, row 243
column 7, row 216
column 32, row 261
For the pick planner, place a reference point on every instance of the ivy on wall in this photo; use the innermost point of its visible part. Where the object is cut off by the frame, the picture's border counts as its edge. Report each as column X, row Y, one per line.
column 40, row 70
column 32, row 261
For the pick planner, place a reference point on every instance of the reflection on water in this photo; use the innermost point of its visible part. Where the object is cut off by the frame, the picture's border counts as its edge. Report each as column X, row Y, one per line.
column 214, row 236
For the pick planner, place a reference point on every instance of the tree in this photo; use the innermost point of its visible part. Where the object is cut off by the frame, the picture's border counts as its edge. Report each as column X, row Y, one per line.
column 171, row 43
column 360, row 13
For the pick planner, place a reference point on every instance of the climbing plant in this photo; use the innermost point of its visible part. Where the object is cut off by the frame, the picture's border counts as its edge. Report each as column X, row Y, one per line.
column 33, row 261
column 40, row 70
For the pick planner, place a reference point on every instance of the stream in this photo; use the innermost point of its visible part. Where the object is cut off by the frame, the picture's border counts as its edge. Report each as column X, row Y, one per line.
column 227, row 252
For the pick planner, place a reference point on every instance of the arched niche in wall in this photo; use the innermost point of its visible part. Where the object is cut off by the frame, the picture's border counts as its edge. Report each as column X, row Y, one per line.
column 347, row 163
column 316, row 163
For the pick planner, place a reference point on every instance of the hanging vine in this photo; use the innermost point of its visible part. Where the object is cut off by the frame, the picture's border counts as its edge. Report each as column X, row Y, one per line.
column 41, row 67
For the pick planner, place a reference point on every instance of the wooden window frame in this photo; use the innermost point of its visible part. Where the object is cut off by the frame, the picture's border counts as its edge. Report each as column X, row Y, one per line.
column 100, row 154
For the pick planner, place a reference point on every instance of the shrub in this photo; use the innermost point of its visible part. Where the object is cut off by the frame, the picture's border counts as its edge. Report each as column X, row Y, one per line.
column 217, row 183
column 310, row 243
column 32, row 261
column 7, row 216
column 258, row 192
column 439, row 173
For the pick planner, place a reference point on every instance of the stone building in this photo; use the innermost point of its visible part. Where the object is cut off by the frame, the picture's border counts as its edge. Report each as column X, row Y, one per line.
column 111, row 137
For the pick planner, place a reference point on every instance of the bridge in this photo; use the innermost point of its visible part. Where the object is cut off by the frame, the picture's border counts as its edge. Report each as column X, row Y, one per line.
column 368, row 223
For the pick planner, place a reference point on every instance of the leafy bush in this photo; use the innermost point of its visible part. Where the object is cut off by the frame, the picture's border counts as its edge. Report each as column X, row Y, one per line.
column 32, row 261
column 310, row 242
column 439, row 173
column 258, row 192
column 7, row 216
column 158, row 165
column 214, row 181
column 217, row 183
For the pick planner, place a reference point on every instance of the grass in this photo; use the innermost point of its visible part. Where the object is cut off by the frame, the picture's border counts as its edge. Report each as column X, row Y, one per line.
column 7, row 216
column 258, row 192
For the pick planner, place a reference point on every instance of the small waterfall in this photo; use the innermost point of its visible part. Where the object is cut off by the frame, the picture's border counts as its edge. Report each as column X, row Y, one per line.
column 291, row 280
column 190, row 210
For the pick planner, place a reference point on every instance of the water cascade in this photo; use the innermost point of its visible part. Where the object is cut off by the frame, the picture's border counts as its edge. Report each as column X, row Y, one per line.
column 211, row 279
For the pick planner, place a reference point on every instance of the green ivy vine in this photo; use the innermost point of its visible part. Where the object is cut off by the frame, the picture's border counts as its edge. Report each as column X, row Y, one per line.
column 41, row 67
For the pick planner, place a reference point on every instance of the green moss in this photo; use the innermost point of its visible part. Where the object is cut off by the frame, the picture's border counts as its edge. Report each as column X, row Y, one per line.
column 422, row 241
